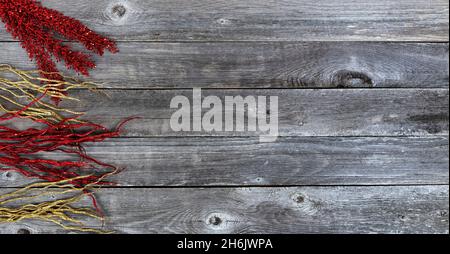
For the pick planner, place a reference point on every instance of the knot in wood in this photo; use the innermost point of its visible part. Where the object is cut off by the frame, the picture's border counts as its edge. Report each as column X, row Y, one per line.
column 23, row 231
column 345, row 78
column 119, row 10
column 215, row 221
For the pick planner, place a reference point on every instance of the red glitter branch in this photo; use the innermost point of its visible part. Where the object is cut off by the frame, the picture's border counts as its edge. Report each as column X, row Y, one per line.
column 19, row 149
column 37, row 28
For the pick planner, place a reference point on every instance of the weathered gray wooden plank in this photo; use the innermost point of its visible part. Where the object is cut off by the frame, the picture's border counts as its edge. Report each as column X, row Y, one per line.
column 308, row 20
column 265, row 64
column 199, row 161
column 302, row 112
column 401, row 209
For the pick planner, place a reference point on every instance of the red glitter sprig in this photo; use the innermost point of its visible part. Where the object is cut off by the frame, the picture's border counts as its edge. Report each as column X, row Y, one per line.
column 20, row 151
column 37, row 28
column 20, row 147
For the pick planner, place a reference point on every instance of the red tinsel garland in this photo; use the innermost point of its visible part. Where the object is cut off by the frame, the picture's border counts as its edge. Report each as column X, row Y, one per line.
column 37, row 28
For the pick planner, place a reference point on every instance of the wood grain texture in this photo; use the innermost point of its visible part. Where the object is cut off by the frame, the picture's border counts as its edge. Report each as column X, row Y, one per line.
column 291, row 20
column 199, row 161
column 302, row 112
column 348, row 160
column 400, row 209
column 265, row 65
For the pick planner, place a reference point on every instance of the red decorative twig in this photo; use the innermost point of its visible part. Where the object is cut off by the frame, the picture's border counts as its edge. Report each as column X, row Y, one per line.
column 18, row 149
column 66, row 136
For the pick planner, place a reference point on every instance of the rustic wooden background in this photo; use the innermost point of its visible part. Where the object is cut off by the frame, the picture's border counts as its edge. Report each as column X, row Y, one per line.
column 364, row 118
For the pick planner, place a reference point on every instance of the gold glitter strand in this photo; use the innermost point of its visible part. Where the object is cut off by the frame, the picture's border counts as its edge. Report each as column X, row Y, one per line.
column 19, row 88
column 61, row 211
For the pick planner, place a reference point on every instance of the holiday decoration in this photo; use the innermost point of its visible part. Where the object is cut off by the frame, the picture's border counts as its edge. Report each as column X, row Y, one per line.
column 59, row 134
column 60, row 209
column 56, row 130
column 23, row 150
column 19, row 147
column 39, row 28
column 19, row 88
